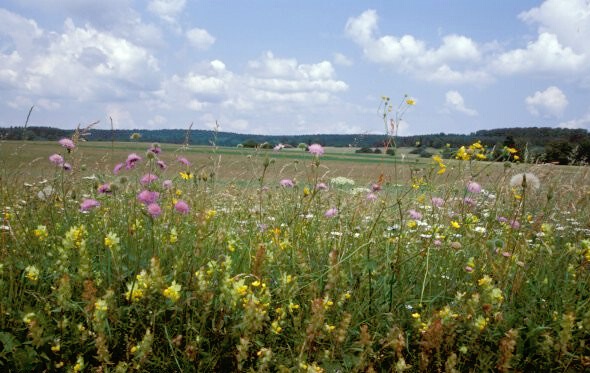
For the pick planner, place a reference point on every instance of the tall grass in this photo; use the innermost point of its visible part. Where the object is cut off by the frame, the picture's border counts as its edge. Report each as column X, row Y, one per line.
column 452, row 268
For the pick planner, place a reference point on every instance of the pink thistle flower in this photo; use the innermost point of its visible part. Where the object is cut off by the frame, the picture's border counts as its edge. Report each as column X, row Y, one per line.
column 118, row 168
column 167, row 184
column 67, row 143
column 415, row 214
column 321, row 186
column 437, row 201
column 147, row 197
column 331, row 212
column 155, row 149
column 132, row 159
column 148, row 179
column 56, row 159
column 88, row 204
column 316, row 149
column 514, row 224
column 473, row 187
column 67, row 167
column 502, row 219
column 104, row 188
column 437, row 243
column 469, row 201
column 154, row 210
column 287, row 183
column 162, row 165
column 371, row 197
column 376, row 187
column 184, row 161
column 181, row 207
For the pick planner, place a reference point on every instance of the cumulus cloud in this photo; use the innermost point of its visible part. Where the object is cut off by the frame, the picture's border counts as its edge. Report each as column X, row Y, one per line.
column 582, row 122
column 200, row 38
column 551, row 101
column 455, row 102
column 341, row 59
column 406, row 53
column 545, row 54
column 166, row 9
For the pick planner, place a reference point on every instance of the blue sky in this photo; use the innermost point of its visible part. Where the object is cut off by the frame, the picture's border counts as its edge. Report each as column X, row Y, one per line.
column 295, row 67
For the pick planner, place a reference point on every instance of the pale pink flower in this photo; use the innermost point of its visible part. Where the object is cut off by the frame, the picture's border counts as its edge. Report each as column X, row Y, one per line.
column 473, row 187
column 331, row 212
column 88, row 204
column 66, row 166
column 437, row 201
column 56, row 159
column 67, row 143
column 371, row 197
column 287, row 183
column 321, row 186
column 316, row 149
column 184, row 161
column 148, row 179
column 132, row 159
column 147, row 197
column 118, row 168
column 415, row 214
column 181, row 207
column 104, row 188
column 161, row 164
column 167, row 184
column 154, row 210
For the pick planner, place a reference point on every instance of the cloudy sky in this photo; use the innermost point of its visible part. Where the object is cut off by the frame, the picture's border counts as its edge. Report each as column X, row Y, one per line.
column 295, row 67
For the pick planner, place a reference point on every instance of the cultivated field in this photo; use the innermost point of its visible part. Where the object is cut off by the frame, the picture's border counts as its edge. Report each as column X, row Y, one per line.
column 129, row 257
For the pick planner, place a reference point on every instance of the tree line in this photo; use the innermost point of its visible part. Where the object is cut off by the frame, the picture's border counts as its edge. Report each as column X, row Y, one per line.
column 560, row 145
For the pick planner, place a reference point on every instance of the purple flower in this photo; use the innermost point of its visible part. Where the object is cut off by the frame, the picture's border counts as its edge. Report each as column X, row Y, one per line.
column 132, row 159
column 67, row 143
column 316, row 149
column 437, row 201
column 331, row 212
column 321, row 186
column 162, row 165
column 181, row 207
column 437, row 243
column 502, row 219
column 287, row 183
column 67, row 166
column 118, row 168
column 415, row 214
column 104, row 188
column 167, row 184
column 148, row 179
column 88, row 204
column 56, row 159
column 147, row 197
column 154, row 210
column 371, row 197
column 473, row 187
column 184, row 161
column 376, row 187
column 155, row 149
column 469, row 201
column 514, row 224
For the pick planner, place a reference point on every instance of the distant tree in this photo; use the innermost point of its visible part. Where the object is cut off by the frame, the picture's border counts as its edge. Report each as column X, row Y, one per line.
column 364, row 150
column 377, row 151
column 558, row 151
column 249, row 144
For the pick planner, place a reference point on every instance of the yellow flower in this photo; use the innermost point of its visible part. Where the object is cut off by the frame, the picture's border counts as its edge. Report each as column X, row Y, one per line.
column 185, row 175
column 416, row 315
column 210, row 214
column 463, row 154
column 276, row 328
column 56, row 347
column 41, row 232
column 455, row 224
column 111, row 240
column 173, row 291
column 173, row 236
column 32, row 273
column 133, row 293
column 411, row 101
column 411, row 224
column 511, row 150
column 484, row 281
column 101, row 305
column 480, row 323
column 480, row 156
column 29, row 318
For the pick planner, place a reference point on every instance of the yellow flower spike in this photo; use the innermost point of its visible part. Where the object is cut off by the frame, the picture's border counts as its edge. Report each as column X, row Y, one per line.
column 172, row 292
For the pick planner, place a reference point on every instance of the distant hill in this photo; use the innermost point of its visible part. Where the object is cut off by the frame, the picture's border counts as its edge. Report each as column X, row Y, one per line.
column 555, row 144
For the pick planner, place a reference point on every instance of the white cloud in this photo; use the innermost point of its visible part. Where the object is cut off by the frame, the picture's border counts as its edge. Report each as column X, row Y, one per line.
column 166, row 9
column 342, row 60
column 582, row 122
column 122, row 118
column 545, row 54
column 454, row 102
column 409, row 54
column 551, row 101
column 568, row 20
column 200, row 38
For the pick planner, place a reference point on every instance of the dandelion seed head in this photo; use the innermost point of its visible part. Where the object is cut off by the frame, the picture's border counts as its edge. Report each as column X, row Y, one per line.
column 527, row 179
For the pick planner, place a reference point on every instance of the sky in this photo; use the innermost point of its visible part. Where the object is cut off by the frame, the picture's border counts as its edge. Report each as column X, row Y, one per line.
column 295, row 67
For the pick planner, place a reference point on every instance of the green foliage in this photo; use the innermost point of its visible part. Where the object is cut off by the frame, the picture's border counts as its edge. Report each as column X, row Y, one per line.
column 424, row 270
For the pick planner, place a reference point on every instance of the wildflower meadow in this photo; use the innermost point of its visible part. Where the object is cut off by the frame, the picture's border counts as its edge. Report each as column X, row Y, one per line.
column 154, row 261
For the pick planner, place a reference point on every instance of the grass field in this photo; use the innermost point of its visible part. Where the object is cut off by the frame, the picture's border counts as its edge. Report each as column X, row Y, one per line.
column 233, row 259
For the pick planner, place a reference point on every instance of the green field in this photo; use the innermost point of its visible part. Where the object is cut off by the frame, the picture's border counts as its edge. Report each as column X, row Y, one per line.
column 255, row 260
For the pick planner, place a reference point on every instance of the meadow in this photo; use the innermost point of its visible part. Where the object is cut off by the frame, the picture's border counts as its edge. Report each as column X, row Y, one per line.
column 131, row 257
